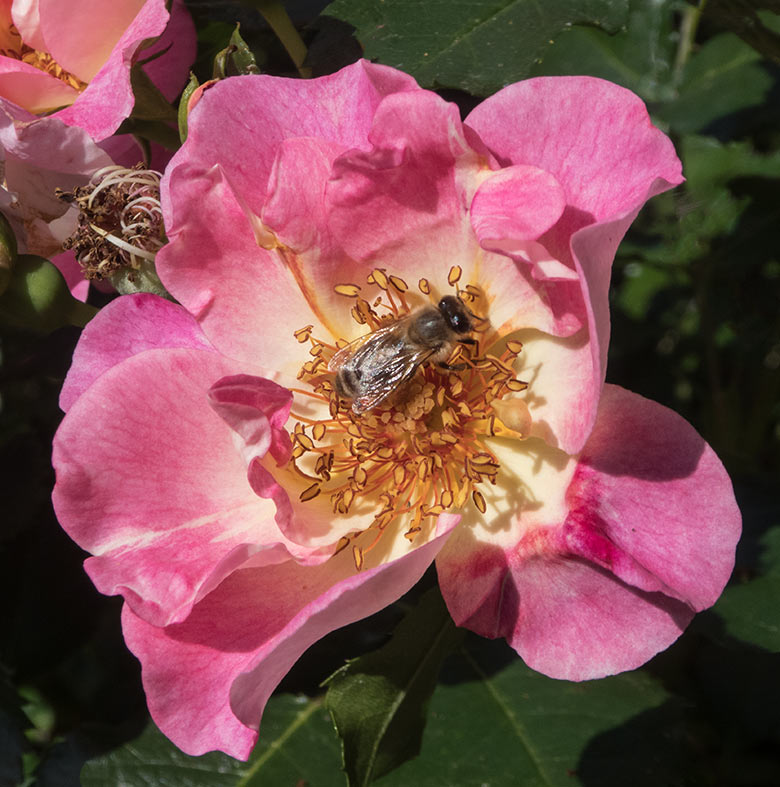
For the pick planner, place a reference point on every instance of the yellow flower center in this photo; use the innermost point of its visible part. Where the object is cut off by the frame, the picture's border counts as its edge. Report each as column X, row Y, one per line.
column 43, row 61
column 422, row 451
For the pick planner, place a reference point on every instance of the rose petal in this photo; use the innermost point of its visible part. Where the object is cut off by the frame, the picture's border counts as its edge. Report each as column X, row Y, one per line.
column 596, row 139
column 80, row 36
column 518, row 203
column 337, row 108
column 108, row 99
column 650, row 485
column 257, row 410
column 242, row 639
column 162, row 498
column 33, row 89
column 26, row 17
column 244, row 297
column 70, row 269
column 125, row 327
column 412, row 189
column 179, row 43
column 649, row 537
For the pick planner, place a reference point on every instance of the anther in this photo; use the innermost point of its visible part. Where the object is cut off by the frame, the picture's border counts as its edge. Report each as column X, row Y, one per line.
column 310, row 492
column 399, row 284
column 347, row 290
column 379, row 277
column 516, row 385
column 479, row 501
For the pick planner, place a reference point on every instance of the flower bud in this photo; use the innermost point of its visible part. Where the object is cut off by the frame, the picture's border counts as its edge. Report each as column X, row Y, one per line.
column 37, row 298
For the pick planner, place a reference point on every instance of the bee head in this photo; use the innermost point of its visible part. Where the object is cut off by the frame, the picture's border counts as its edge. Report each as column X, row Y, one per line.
column 456, row 314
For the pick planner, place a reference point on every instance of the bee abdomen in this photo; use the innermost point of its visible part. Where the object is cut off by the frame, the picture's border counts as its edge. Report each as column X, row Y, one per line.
column 347, row 382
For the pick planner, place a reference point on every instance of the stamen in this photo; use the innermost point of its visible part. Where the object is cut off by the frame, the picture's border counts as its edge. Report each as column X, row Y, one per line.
column 43, row 61
column 422, row 451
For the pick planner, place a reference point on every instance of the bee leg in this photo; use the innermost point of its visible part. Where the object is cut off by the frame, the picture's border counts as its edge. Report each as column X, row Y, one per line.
column 452, row 367
column 467, row 341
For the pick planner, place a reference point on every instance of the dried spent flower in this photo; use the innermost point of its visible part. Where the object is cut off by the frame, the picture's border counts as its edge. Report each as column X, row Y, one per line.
column 120, row 224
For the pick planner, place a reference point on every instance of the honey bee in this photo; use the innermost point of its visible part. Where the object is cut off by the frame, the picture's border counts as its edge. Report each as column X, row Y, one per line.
column 374, row 366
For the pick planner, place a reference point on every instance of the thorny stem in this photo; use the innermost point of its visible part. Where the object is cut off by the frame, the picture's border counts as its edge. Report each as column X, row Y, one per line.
column 276, row 15
column 688, row 27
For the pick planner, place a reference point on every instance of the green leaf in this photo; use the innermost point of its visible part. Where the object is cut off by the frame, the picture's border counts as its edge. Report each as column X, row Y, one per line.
column 297, row 746
column 151, row 130
column 150, row 104
column 235, row 59
column 475, row 45
column 749, row 609
column 184, row 101
column 638, row 57
column 495, row 721
column 37, row 298
column 12, row 723
column 725, row 76
column 759, row 30
column 152, row 116
column 379, row 701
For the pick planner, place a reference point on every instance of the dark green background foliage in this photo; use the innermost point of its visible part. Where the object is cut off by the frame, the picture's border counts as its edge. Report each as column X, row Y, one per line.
column 696, row 326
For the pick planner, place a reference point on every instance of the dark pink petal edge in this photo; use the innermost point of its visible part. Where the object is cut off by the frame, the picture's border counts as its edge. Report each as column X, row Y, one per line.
column 649, row 539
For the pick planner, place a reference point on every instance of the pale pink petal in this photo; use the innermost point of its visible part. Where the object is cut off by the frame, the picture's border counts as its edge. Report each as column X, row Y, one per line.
column 518, row 203
column 562, row 394
column 25, row 15
column 108, row 99
column 81, row 35
column 593, row 250
column 31, row 88
column 329, row 221
column 47, row 144
column 41, row 154
column 207, row 680
column 597, row 140
column 245, row 298
column 574, row 621
column 297, row 215
column 257, row 410
column 649, row 539
column 74, row 277
column 261, row 111
column 294, row 210
column 125, row 327
column 162, row 499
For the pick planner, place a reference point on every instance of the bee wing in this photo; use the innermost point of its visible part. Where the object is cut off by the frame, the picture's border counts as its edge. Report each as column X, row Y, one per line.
column 351, row 349
column 388, row 376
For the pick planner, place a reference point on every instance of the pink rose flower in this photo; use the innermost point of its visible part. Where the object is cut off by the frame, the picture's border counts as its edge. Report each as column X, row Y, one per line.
column 244, row 510
column 75, row 57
